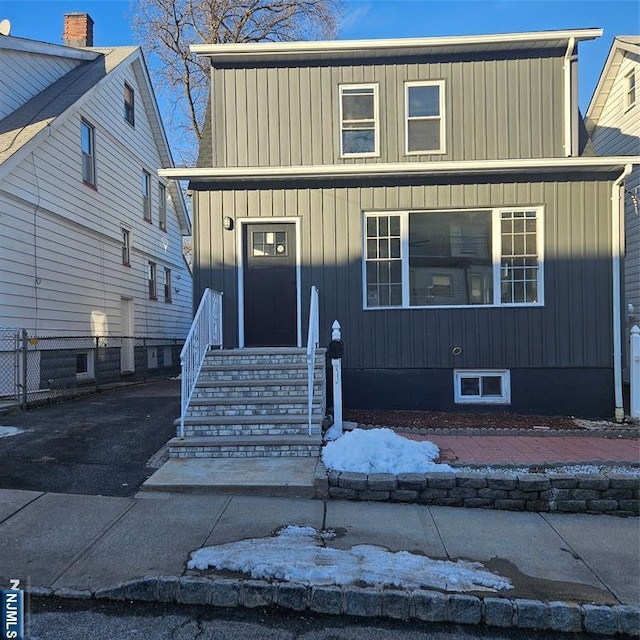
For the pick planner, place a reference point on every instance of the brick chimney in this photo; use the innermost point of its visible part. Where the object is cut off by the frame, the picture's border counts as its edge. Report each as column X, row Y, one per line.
column 78, row 30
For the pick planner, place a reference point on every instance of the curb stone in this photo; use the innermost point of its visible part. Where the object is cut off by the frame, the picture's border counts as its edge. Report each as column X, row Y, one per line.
column 421, row 604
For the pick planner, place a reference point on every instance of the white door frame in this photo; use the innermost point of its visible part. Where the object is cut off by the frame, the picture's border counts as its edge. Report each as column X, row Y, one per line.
column 295, row 220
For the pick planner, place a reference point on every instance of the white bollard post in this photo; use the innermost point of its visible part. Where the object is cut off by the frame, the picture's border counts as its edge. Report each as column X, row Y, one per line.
column 337, row 380
column 634, row 373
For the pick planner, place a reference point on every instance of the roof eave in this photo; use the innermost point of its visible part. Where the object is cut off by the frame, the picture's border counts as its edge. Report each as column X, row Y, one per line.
column 264, row 174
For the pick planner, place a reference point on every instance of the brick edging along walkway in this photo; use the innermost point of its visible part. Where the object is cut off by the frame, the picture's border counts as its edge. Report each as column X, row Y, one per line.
column 614, row 494
column 400, row 604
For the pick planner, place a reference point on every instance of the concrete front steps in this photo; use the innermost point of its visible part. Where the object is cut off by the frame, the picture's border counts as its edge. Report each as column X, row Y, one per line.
column 252, row 403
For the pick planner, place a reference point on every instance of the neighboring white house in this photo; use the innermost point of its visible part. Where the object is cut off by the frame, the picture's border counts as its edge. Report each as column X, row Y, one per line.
column 91, row 237
column 613, row 120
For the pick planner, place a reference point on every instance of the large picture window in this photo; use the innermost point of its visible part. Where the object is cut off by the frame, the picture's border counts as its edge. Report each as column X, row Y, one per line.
column 359, row 120
column 424, row 124
column 453, row 258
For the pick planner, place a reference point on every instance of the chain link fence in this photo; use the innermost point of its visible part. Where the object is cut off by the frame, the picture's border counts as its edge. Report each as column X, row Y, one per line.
column 40, row 369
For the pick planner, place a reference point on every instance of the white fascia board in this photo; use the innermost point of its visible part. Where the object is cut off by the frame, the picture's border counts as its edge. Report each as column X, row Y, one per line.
column 271, row 49
column 399, row 169
column 12, row 43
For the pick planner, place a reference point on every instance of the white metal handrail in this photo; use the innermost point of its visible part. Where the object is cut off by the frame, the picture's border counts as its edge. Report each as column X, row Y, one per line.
column 313, row 337
column 205, row 332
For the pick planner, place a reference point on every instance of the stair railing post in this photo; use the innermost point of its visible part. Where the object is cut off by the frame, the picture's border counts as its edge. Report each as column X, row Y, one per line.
column 634, row 373
column 336, row 363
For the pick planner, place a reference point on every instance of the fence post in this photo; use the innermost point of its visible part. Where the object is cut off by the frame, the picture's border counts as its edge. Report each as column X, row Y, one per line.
column 337, row 379
column 634, row 373
column 25, row 343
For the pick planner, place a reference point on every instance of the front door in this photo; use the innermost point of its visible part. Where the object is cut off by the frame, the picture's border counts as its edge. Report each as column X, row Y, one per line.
column 270, row 287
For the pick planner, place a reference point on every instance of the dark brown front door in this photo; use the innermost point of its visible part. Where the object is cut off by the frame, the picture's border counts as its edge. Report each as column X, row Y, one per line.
column 270, row 292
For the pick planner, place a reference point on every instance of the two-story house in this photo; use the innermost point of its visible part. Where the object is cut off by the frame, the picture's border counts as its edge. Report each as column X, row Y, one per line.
column 613, row 122
column 91, row 240
column 437, row 192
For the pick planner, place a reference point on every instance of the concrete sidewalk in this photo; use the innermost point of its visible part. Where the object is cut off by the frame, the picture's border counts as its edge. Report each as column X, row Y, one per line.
column 137, row 548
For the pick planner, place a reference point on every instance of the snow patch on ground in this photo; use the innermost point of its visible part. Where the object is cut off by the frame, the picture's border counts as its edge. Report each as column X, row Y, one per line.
column 381, row 451
column 596, row 424
column 7, row 432
column 299, row 554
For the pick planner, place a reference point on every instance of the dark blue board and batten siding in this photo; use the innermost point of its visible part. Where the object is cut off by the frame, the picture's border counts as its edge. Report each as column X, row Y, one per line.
column 504, row 106
column 403, row 357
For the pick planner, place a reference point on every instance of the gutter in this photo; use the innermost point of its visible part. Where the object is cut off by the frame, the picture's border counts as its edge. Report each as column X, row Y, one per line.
column 617, row 211
column 569, row 59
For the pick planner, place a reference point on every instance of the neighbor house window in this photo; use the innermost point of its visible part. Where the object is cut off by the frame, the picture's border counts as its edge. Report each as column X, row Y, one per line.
column 453, row 258
column 146, row 195
column 84, row 365
column 87, row 137
column 359, row 134
column 126, row 247
column 167, row 285
column 630, row 90
column 129, row 105
column 152, row 276
column 162, row 209
column 424, row 122
column 490, row 386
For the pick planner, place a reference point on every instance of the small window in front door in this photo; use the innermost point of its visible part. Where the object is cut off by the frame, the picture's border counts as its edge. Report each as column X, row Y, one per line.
column 269, row 243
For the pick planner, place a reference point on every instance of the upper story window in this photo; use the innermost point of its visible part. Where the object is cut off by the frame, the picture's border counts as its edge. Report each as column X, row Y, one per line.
column 167, row 285
column 424, row 122
column 87, row 138
column 162, row 207
column 129, row 105
column 152, row 279
column 126, row 247
column 359, row 126
column 630, row 90
column 146, row 195
column 453, row 258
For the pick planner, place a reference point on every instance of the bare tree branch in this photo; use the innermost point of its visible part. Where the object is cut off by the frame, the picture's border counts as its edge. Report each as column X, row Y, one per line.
column 166, row 29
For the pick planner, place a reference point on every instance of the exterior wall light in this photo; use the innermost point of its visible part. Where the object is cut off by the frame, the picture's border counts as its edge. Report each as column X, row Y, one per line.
column 227, row 223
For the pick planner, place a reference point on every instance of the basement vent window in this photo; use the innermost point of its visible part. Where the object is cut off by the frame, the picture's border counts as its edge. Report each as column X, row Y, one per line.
column 490, row 386
column 84, row 365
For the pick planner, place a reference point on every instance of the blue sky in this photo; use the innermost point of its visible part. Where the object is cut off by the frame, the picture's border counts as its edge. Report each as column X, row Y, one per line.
column 42, row 20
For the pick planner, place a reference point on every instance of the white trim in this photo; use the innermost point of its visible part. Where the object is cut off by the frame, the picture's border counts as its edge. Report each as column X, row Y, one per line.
column 271, row 49
column 496, row 256
column 568, row 111
column 89, row 374
column 504, row 374
column 441, row 117
column 13, row 43
column 239, row 249
column 396, row 169
column 376, row 120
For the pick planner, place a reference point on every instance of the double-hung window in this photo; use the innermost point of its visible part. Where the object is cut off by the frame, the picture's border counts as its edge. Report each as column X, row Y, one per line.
column 87, row 142
column 162, row 207
column 453, row 258
column 129, row 104
column 152, row 278
column 126, row 247
column 424, row 121
column 630, row 90
column 359, row 126
column 167, row 285
column 146, row 195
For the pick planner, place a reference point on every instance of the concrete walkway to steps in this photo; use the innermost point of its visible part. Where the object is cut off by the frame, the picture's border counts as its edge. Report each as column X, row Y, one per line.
column 85, row 546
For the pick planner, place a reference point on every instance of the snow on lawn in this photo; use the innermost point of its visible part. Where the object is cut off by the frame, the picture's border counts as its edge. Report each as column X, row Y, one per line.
column 298, row 554
column 381, row 451
column 7, row 432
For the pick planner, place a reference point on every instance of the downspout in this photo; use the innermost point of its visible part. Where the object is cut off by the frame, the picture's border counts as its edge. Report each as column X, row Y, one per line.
column 569, row 57
column 616, row 233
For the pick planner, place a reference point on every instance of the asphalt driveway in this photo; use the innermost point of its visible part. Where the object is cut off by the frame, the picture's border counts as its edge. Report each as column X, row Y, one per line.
column 98, row 444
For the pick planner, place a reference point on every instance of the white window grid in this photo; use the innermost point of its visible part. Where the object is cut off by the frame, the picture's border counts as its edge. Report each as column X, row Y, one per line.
column 152, row 277
column 162, row 211
column 630, row 90
column 146, row 195
column 167, row 284
column 87, row 137
column 129, row 104
column 536, row 213
column 126, row 247
column 482, row 397
column 366, row 125
column 440, row 116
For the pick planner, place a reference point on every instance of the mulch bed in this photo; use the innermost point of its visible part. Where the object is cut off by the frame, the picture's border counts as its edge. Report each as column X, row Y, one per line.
column 442, row 420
